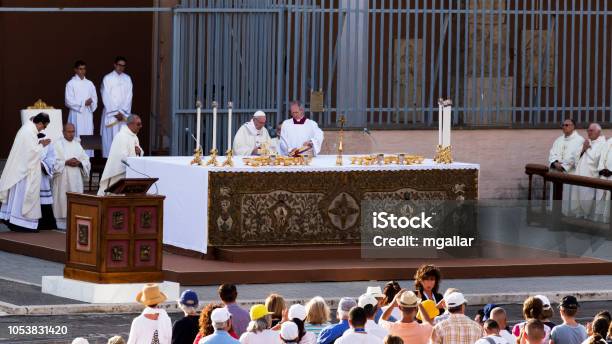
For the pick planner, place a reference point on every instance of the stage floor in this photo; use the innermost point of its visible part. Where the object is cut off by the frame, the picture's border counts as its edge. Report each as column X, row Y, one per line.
column 286, row 267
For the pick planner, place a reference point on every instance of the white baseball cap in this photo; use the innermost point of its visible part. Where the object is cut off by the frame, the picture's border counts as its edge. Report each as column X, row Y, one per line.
column 455, row 299
column 376, row 291
column 367, row 299
column 297, row 311
column 289, row 331
column 545, row 301
column 259, row 113
column 220, row 315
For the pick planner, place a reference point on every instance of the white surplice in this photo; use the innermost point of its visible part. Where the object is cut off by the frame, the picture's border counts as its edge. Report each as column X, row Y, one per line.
column 124, row 146
column 566, row 150
column 116, row 93
column 77, row 92
column 67, row 178
column 21, row 178
column 583, row 198
column 293, row 135
column 248, row 137
column 602, row 206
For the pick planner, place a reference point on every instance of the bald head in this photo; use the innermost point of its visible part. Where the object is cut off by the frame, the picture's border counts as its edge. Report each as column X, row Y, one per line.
column 534, row 329
column 594, row 131
column 69, row 131
column 134, row 123
column 499, row 315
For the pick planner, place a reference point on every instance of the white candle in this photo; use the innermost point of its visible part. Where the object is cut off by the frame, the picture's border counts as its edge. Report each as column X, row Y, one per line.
column 214, row 129
column 229, row 125
column 198, row 122
column 440, row 122
column 446, row 134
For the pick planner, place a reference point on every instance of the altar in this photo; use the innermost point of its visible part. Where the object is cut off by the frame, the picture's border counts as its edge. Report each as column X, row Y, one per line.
column 288, row 205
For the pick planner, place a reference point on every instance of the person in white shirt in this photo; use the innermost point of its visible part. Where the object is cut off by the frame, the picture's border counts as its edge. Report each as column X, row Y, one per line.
column 258, row 331
column 499, row 315
column 252, row 136
column 154, row 324
column 300, row 135
column 297, row 314
column 357, row 334
column 369, row 303
column 563, row 157
column 81, row 99
column 491, row 327
column 117, row 93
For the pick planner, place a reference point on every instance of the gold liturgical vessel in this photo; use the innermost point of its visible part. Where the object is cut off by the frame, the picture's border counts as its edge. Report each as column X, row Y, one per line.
column 340, row 143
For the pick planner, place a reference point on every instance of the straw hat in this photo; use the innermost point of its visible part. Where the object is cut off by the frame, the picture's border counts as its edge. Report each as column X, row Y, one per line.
column 150, row 295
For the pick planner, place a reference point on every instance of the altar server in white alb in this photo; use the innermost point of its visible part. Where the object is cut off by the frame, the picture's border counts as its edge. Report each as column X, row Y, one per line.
column 602, row 206
column 116, row 92
column 81, row 98
column 124, row 145
column 299, row 134
column 71, row 168
column 563, row 156
column 21, row 177
column 583, row 198
column 252, row 136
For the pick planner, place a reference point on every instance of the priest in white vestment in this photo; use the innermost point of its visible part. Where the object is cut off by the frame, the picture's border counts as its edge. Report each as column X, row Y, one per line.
column 21, row 178
column 583, row 198
column 124, row 145
column 72, row 166
column 252, row 136
column 116, row 92
column 602, row 206
column 300, row 134
column 81, row 98
column 563, row 156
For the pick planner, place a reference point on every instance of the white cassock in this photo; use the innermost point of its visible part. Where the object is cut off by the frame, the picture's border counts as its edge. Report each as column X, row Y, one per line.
column 116, row 92
column 67, row 178
column 602, row 206
column 248, row 137
column 21, row 178
column 124, row 146
column 293, row 135
column 583, row 198
column 77, row 92
column 566, row 150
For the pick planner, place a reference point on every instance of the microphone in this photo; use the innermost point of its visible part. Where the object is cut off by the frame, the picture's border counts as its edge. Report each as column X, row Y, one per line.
column 194, row 138
column 367, row 131
column 124, row 162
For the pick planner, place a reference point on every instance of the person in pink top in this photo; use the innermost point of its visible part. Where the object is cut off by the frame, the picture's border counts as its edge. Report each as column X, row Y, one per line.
column 407, row 328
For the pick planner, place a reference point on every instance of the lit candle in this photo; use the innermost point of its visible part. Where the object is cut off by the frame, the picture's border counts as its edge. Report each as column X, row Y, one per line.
column 440, row 122
column 198, row 122
column 214, row 129
column 229, row 125
column 446, row 134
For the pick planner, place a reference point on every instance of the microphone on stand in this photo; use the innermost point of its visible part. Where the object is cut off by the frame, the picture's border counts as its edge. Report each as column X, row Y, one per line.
column 367, row 131
column 123, row 161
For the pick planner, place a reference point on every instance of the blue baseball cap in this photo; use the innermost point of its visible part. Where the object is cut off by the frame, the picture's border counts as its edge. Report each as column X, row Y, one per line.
column 189, row 298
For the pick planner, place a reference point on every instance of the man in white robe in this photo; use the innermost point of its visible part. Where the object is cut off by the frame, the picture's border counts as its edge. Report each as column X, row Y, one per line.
column 563, row 156
column 583, row 198
column 252, row 136
column 72, row 166
column 82, row 100
column 300, row 135
column 116, row 92
column 602, row 206
column 21, row 178
column 124, row 145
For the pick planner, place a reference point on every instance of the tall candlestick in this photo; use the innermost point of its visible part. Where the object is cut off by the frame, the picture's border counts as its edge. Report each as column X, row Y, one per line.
column 446, row 133
column 229, row 125
column 214, row 130
column 198, row 123
column 440, row 121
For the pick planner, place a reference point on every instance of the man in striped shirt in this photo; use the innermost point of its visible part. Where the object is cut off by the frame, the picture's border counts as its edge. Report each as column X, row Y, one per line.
column 458, row 328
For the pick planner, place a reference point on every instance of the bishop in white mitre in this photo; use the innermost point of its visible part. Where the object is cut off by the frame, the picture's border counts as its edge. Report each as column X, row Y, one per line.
column 252, row 136
column 602, row 206
column 563, row 156
column 583, row 198
column 300, row 134
column 124, row 145
column 21, row 178
column 81, row 98
column 116, row 92
column 72, row 166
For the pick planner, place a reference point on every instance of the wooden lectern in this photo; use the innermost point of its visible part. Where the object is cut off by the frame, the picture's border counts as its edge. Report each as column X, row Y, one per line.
column 118, row 238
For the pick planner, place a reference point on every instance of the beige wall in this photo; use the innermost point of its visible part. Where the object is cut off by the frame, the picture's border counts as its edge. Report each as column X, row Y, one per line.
column 501, row 153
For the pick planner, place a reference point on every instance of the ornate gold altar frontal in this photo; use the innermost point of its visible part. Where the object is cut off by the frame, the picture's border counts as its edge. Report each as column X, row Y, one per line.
column 382, row 159
column 272, row 208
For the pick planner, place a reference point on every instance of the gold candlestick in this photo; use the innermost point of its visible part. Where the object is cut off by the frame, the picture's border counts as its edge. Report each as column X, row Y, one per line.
column 341, row 139
column 213, row 158
column 228, row 160
column 443, row 155
column 197, row 157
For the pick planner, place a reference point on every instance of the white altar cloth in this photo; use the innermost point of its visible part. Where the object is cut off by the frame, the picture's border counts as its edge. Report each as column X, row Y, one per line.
column 186, row 188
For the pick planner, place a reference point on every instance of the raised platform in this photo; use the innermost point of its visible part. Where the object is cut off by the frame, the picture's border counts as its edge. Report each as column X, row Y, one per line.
column 289, row 264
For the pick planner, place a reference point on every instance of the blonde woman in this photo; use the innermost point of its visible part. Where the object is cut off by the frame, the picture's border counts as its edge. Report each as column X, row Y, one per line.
column 317, row 315
column 276, row 305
